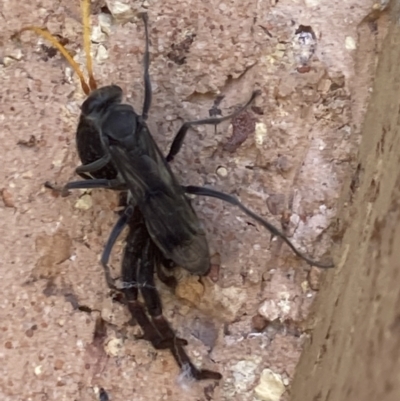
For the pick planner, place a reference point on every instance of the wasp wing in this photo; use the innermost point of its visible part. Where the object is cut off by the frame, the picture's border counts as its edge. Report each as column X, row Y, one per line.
column 171, row 221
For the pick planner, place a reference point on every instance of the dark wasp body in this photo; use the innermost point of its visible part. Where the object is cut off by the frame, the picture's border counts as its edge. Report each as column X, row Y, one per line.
column 148, row 243
column 118, row 152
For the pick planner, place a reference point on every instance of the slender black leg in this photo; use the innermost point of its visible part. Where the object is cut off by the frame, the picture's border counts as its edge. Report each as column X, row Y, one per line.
column 151, row 297
column 89, row 183
column 185, row 364
column 146, row 62
column 153, row 304
column 194, row 190
column 96, row 183
column 130, row 266
column 116, row 231
column 95, row 166
column 180, row 136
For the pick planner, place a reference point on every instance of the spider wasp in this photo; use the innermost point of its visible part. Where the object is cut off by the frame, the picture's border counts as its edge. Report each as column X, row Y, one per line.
column 118, row 152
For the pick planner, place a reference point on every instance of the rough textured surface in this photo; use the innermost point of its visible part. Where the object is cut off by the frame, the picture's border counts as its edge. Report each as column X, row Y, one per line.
column 307, row 122
column 354, row 353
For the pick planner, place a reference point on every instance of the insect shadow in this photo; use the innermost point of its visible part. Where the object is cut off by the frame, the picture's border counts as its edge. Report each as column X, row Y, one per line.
column 118, row 152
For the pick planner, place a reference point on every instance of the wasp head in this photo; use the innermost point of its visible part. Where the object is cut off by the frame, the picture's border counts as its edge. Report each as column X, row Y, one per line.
column 99, row 101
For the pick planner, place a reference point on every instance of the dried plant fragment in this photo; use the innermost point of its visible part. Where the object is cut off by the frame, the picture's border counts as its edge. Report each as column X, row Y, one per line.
column 243, row 126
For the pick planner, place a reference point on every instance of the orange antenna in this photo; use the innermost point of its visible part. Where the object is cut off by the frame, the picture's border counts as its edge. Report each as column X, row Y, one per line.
column 85, row 6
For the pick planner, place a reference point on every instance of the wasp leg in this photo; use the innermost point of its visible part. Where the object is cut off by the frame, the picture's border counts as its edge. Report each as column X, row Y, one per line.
column 115, row 184
column 115, row 232
column 95, row 166
column 186, row 365
column 89, row 183
column 151, row 297
column 180, row 136
column 154, row 307
column 194, row 190
column 147, row 82
column 132, row 264
column 85, row 9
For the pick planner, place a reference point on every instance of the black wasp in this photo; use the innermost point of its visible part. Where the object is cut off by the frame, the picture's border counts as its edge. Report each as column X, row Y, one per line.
column 118, row 152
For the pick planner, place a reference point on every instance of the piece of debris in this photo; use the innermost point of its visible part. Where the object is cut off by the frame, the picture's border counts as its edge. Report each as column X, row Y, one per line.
column 84, row 202
column 190, row 289
column 261, row 133
column 30, row 143
column 222, row 171
column 280, row 308
column 259, row 322
column 179, row 50
column 304, row 46
column 7, row 197
column 271, row 386
column 258, row 110
column 215, row 111
column 243, row 125
column 122, row 11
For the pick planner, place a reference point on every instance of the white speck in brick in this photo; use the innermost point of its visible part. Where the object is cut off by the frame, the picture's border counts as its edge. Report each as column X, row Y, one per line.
column 222, row 171
column 261, row 133
column 350, row 43
column 101, row 54
column 312, row 3
column 271, row 386
column 38, row 370
column 113, row 347
column 84, row 202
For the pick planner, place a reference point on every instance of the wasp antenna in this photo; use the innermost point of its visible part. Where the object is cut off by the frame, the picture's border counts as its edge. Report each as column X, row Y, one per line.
column 85, row 7
column 48, row 36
